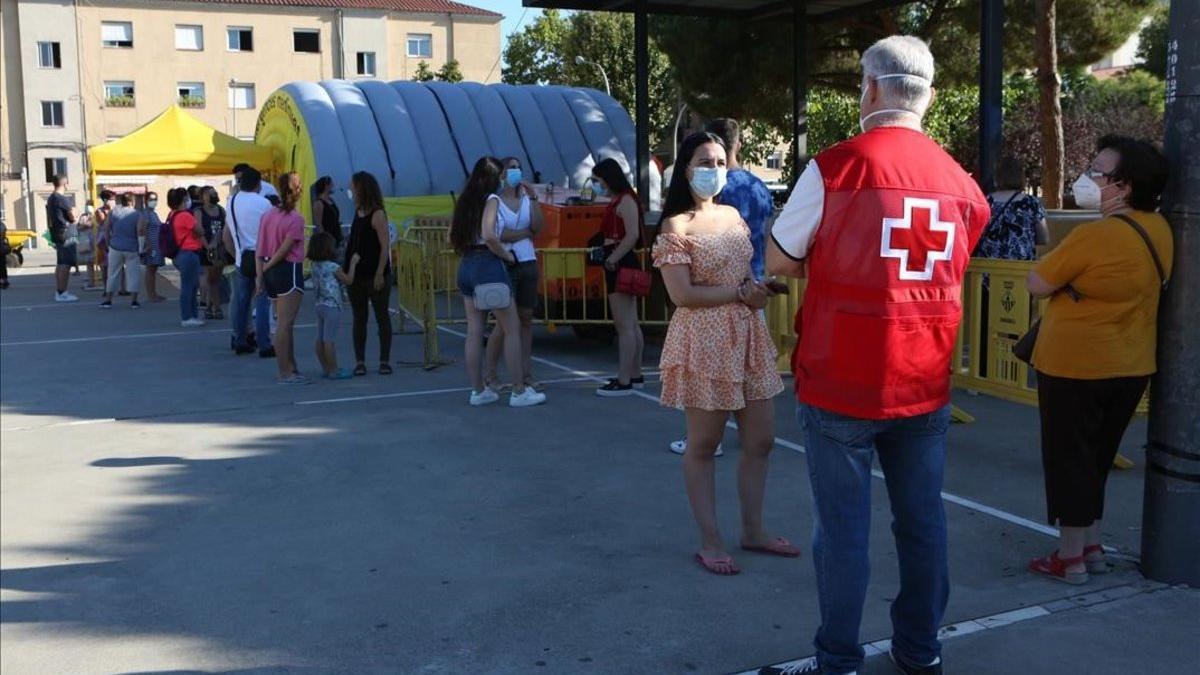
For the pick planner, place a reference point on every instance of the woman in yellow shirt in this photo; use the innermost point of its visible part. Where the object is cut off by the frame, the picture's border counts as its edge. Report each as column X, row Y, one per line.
column 1095, row 352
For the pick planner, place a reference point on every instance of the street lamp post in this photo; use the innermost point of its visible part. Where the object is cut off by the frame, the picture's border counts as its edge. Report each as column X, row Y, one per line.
column 582, row 61
column 233, row 105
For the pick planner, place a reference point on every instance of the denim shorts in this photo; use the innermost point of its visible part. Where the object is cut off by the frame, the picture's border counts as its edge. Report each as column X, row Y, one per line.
column 480, row 266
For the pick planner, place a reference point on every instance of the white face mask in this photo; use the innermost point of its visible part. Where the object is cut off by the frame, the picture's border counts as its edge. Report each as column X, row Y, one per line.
column 1087, row 192
column 707, row 182
column 863, row 99
column 152, row 204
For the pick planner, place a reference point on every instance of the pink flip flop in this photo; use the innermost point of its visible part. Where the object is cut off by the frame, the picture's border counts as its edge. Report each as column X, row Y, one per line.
column 711, row 564
column 777, row 546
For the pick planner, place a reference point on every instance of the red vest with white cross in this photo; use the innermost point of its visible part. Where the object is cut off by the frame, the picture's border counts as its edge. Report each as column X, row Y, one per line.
column 885, row 270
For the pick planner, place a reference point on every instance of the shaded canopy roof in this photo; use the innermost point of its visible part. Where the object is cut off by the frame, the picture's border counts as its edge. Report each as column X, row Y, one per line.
column 760, row 9
column 176, row 143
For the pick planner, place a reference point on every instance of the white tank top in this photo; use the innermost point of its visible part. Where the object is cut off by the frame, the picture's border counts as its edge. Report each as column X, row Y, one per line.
column 506, row 219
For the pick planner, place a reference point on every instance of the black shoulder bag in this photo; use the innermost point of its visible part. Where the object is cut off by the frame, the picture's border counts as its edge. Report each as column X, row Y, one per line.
column 246, row 264
column 1023, row 349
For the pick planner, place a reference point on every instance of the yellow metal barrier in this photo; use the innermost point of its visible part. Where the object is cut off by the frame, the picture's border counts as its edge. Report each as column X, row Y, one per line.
column 995, row 316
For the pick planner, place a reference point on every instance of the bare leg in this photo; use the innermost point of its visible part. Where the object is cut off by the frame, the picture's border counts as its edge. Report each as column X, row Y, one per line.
column 495, row 345
column 705, row 429
column 756, row 431
column 526, row 316
column 624, row 313
column 474, row 345
column 330, row 351
column 512, row 346
column 1070, row 545
column 286, row 306
column 62, row 278
column 319, row 348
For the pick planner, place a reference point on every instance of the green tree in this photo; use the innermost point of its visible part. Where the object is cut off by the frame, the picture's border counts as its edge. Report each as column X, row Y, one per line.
column 424, row 72
column 546, row 51
column 1152, row 43
column 742, row 68
column 533, row 54
column 449, row 72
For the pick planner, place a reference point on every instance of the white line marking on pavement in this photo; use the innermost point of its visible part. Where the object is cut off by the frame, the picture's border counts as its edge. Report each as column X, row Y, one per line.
column 131, row 336
column 423, row 392
column 946, row 496
column 1000, row 619
column 45, row 306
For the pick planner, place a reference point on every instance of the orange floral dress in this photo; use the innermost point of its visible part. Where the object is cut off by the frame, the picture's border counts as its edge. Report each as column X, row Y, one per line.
column 715, row 358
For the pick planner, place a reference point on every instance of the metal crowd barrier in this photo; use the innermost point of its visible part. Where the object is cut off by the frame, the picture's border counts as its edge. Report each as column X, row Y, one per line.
column 997, row 308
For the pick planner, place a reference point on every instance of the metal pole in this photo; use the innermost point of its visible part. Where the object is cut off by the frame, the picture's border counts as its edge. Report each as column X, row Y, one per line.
column 641, row 38
column 991, row 88
column 1171, row 512
column 799, row 86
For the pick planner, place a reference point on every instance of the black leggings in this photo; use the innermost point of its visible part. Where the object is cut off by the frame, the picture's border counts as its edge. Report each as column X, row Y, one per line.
column 360, row 296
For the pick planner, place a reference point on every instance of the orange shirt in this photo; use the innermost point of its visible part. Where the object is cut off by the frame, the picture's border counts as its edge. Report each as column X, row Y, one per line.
column 1112, row 330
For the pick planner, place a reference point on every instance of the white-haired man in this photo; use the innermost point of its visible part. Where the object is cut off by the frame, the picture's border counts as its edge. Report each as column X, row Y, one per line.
column 883, row 224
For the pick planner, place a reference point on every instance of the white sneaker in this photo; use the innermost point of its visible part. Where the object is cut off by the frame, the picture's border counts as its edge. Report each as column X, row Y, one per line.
column 527, row 398
column 191, row 323
column 680, row 446
column 488, row 395
column 65, row 296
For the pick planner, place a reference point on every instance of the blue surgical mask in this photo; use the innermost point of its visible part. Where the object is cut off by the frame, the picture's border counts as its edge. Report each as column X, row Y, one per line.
column 513, row 177
column 708, row 181
column 598, row 188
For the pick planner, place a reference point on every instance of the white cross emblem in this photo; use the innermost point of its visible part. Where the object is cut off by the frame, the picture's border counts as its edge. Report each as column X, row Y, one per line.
column 911, row 239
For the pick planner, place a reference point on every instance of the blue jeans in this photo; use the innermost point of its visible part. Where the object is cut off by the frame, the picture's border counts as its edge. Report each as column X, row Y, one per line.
column 242, row 293
column 188, row 264
column 912, row 453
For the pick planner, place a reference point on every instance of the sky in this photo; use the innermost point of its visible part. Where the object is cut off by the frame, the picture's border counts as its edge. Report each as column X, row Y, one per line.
column 512, row 11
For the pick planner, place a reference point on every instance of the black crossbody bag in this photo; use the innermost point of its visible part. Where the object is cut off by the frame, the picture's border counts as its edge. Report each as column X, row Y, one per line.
column 1023, row 349
column 246, row 265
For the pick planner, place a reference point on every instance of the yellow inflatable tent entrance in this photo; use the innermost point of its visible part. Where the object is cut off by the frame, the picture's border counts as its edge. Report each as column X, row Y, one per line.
column 179, row 144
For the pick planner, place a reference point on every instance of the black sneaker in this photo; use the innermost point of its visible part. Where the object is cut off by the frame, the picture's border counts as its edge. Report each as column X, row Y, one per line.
column 135, row 305
column 803, row 667
column 268, row 353
column 638, row 382
column 107, row 304
column 614, row 388
column 244, row 349
column 907, row 668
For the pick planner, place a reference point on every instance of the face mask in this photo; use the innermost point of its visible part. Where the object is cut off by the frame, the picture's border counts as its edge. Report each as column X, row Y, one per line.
column 152, row 204
column 598, row 188
column 862, row 121
column 187, row 204
column 513, row 177
column 707, row 182
column 1088, row 194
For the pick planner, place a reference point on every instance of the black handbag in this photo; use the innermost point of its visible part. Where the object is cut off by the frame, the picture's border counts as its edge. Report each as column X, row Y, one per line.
column 1023, row 349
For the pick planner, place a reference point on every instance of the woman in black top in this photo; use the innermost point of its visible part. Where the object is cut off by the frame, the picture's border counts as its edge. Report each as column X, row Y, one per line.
column 369, row 239
column 325, row 211
column 211, row 216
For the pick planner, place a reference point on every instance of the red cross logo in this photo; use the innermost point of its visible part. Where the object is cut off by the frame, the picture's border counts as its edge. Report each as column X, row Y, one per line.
column 918, row 240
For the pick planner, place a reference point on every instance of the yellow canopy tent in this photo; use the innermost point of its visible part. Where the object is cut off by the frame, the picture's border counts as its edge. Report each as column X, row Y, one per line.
column 176, row 143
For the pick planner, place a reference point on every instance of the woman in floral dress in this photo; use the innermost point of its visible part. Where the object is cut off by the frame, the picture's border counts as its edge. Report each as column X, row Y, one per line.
column 718, row 358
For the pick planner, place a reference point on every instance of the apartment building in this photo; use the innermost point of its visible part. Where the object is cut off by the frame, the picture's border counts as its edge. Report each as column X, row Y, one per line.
column 79, row 73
